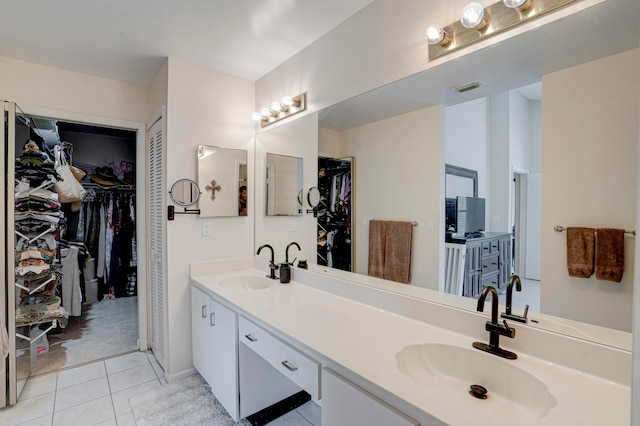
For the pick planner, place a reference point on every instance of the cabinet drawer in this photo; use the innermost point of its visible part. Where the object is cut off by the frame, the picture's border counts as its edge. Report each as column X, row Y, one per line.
column 495, row 246
column 295, row 365
column 492, row 280
column 486, row 248
column 490, row 264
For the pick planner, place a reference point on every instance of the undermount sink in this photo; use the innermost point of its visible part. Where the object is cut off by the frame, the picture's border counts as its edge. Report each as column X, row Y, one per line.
column 246, row 282
column 451, row 370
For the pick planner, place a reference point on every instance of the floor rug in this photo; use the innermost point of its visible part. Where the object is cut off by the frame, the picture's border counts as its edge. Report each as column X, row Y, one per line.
column 188, row 401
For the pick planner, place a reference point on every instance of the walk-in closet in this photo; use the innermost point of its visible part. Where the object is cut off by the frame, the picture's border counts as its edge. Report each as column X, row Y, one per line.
column 75, row 292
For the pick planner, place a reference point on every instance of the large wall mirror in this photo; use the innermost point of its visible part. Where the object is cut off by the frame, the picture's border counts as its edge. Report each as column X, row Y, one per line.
column 222, row 178
column 405, row 180
column 283, row 184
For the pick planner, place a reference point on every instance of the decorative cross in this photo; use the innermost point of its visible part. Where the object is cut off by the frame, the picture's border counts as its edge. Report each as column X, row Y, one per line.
column 213, row 187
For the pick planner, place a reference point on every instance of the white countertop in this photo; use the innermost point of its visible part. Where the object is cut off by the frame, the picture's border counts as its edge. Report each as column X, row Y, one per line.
column 365, row 341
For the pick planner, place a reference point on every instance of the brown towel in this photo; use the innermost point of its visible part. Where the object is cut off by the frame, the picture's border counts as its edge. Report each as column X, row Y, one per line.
column 397, row 256
column 377, row 243
column 609, row 254
column 580, row 248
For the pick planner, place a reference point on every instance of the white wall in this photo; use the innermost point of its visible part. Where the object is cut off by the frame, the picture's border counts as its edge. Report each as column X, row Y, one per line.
column 466, row 135
column 397, row 177
column 589, row 178
column 38, row 86
column 499, row 172
column 519, row 130
column 535, row 136
column 210, row 108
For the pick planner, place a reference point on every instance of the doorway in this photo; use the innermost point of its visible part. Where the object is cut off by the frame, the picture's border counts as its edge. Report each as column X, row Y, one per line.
column 108, row 325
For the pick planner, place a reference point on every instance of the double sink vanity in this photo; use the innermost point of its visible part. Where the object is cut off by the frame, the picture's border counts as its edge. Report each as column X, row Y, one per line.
column 257, row 341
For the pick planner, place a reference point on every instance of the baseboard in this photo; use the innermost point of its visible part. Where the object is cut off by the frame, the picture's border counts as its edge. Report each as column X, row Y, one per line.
column 180, row 375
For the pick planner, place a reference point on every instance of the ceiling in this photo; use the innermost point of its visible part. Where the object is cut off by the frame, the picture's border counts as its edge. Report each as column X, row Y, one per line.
column 128, row 40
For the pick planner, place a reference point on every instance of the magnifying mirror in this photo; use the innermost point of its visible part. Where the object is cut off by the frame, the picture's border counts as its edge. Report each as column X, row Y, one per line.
column 184, row 193
column 313, row 198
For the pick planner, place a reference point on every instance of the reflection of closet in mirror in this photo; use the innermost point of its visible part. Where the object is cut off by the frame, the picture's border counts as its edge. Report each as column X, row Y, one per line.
column 222, row 178
column 283, row 183
column 335, row 212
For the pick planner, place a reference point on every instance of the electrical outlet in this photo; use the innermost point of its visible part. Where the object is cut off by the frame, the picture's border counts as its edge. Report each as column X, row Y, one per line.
column 430, row 225
column 293, row 225
column 206, row 229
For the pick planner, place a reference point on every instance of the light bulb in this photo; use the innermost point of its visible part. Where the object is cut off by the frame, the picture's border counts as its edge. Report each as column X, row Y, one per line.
column 473, row 16
column 518, row 4
column 436, row 35
column 264, row 112
column 256, row 116
column 287, row 102
column 275, row 107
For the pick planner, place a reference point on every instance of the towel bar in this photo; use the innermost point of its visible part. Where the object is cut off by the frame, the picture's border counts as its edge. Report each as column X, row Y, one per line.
column 559, row 228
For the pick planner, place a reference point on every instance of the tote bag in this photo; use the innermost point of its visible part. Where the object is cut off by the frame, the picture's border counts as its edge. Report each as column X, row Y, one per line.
column 68, row 188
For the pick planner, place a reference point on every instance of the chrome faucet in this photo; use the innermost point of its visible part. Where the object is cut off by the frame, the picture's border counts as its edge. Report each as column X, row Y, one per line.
column 495, row 330
column 286, row 253
column 272, row 264
column 507, row 314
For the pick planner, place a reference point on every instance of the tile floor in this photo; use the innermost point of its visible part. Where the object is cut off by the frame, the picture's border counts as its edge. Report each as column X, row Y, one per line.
column 98, row 394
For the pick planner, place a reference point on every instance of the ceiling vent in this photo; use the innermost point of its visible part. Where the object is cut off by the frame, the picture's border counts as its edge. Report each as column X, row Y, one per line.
column 466, row 87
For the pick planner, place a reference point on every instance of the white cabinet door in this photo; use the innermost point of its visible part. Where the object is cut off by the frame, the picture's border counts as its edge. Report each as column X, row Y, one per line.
column 215, row 348
column 222, row 353
column 343, row 403
column 199, row 331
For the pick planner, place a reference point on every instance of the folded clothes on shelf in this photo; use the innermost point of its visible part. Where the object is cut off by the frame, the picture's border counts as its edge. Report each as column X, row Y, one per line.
column 43, row 308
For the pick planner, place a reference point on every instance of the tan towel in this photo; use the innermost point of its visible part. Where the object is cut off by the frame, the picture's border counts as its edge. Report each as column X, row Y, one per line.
column 580, row 249
column 397, row 257
column 377, row 243
column 609, row 254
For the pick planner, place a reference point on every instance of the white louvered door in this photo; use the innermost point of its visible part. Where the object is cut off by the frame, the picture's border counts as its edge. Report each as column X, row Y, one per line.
column 157, row 271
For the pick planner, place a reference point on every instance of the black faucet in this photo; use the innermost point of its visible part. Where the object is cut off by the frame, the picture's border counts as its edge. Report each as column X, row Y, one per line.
column 286, row 253
column 508, row 315
column 495, row 330
column 272, row 264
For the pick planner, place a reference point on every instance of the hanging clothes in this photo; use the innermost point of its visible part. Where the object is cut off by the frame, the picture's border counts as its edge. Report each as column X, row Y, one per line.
column 109, row 234
column 71, row 291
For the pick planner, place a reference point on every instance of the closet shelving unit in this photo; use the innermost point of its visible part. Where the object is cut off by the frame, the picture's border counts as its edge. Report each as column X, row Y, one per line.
column 33, row 289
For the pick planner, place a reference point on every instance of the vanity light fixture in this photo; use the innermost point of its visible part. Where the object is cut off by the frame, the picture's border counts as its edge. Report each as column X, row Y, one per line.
column 522, row 5
column 477, row 23
column 434, row 34
column 279, row 110
column 473, row 17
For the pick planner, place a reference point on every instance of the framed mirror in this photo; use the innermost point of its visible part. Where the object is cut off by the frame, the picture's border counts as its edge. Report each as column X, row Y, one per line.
column 283, row 184
column 460, row 182
column 222, row 175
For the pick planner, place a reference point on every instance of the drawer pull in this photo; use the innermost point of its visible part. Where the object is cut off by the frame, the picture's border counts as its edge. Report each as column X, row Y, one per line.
column 251, row 338
column 204, row 311
column 212, row 319
column 289, row 366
